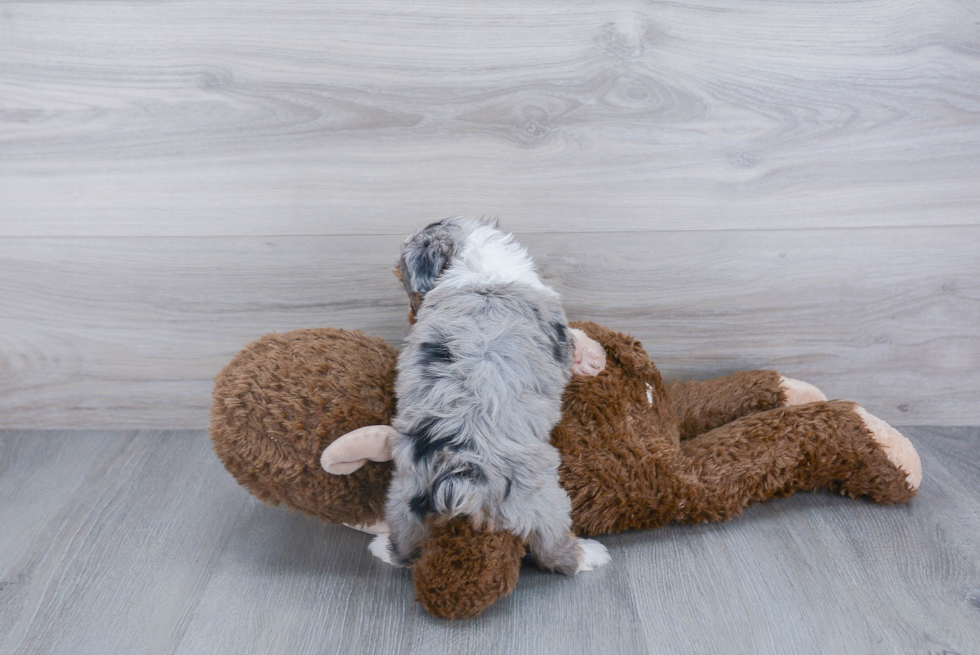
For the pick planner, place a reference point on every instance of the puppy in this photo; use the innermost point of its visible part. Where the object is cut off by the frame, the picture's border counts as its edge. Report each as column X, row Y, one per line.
column 479, row 390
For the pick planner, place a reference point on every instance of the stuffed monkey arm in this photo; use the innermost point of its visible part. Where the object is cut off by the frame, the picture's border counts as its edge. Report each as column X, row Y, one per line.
column 589, row 358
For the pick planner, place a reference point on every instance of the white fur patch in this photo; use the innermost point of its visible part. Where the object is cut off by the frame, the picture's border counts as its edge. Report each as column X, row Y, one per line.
column 594, row 555
column 490, row 256
column 379, row 548
column 650, row 394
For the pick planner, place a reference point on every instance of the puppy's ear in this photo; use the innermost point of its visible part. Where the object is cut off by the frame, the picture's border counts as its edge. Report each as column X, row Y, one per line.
column 424, row 256
column 414, row 299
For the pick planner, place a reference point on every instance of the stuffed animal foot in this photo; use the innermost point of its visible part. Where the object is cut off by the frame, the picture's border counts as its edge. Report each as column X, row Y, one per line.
column 898, row 449
column 593, row 555
column 798, row 392
column 590, row 358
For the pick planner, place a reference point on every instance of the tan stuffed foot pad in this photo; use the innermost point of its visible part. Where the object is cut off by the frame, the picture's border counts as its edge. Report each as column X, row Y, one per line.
column 898, row 449
column 798, row 392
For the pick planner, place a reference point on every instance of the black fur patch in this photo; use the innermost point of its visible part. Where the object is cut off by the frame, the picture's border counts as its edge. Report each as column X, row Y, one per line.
column 434, row 352
column 557, row 334
column 465, row 472
column 424, row 443
column 559, row 341
column 421, row 505
column 507, row 490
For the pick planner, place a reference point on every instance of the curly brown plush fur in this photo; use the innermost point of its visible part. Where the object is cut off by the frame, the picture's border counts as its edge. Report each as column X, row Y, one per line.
column 285, row 398
column 636, row 453
column 626, row 468
column 459, row 583
column 705, row 405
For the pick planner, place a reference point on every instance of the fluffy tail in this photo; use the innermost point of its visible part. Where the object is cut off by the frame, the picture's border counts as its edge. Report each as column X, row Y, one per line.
column 456, row 492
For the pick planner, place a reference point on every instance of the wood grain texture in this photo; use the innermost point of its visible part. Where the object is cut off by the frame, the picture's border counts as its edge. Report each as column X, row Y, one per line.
column 126, row 541
column 813, row 573
column 130, row 332
column 248, row 118
column 149, row 546
column 740, row 184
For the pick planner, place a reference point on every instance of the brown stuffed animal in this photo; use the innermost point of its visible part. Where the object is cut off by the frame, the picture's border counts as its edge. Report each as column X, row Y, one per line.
column 636, row 453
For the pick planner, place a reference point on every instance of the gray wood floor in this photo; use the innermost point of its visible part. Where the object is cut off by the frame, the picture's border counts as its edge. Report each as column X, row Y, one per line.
column 139, row 542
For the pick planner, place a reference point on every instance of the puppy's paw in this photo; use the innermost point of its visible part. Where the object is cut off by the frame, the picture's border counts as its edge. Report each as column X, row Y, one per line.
column 590, row 358
column 593, row 555
column 380, row 548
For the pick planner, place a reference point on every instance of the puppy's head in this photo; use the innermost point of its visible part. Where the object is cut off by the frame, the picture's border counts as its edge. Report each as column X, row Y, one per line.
column 428, row 252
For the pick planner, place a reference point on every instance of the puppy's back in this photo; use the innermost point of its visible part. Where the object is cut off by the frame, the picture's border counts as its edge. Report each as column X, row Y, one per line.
column 479, row 390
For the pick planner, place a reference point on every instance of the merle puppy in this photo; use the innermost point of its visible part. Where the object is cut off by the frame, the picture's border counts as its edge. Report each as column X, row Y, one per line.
column 479, row 390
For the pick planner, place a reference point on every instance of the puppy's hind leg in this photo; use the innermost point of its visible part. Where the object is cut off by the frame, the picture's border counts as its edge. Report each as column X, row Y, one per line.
column 401, row 545
column 551, row 541
column 402, row 542
column 569, row 554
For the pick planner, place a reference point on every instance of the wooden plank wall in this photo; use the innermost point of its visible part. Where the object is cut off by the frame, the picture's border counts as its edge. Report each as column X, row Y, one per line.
column 743, row 184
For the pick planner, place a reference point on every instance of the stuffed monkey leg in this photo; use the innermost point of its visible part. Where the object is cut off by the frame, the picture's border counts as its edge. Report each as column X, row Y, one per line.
column 834, row 445
column 707, row 404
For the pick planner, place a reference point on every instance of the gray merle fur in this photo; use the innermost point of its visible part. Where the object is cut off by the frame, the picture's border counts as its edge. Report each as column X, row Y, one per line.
column 479, row 390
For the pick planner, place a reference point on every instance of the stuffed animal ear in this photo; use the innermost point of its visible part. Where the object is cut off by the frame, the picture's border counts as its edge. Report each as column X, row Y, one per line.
column 355, row 449
column 424, row 256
